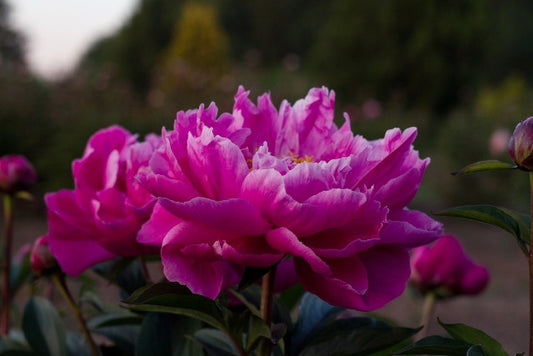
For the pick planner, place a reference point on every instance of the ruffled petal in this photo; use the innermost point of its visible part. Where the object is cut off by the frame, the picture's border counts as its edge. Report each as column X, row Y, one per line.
column 193, row 266
column 237, row 216
column 410, row 228
column 385, row 269
column 285, row 241
column 71, row 243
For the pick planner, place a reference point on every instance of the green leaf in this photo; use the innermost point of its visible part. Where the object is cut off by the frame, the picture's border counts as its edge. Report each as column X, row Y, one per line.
column 252, row 274
column 124, row 272
column 476, row 350
column 114, row 319
column 436, row 345
column 216, row 343
column 356, row 337
column 123, row 336
column 14, row 347
column 43, row 328
column 516, row 224
column 174, row 298
column 490, row 165
column 77, row 345
column 474, row 336
column 313, row 313
column 166, row 334
column 257, row 330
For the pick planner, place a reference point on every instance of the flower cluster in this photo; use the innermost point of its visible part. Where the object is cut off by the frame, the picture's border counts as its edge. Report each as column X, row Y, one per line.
column 219, row 193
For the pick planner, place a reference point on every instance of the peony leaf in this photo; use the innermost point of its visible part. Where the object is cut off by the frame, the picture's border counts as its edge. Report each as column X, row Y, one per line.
column 356, row 336
column 517, row 224
column 476, row 350
column 168, row 297
column 216, row 342
column 166, row 334
column 436, row 345
column 313, row 313
column 490, row 165
column 114, row 319
column 43, row 328
column 472, row 335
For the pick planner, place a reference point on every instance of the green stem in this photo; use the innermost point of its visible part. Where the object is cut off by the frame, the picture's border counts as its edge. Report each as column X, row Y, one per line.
column 59, row 281
column 531, row 270
column 266, row 307
column 427, row 314
column 6, row 265
column 144, row 269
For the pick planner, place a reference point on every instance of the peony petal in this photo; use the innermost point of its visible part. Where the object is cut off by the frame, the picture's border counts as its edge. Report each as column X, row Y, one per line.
column 217, row 166
column 410, row 228
column 237, row 216
column 157, row 227
column 66, row 236
column 251, row 251
column 386, row 270
column 193, row 267
column 285, row 241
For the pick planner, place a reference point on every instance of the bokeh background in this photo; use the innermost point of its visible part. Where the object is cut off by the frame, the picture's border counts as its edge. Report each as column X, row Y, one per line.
column 461, row 71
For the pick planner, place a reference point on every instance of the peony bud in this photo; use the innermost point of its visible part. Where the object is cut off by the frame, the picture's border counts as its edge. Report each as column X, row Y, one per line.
column 521, row 145
column 41, row 258
column 446, row 270
column 16, row 174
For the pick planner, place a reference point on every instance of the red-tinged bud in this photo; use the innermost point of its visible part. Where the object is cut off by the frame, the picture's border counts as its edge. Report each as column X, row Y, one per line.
column 41, row 258
column 16, row 174
column 521, row 145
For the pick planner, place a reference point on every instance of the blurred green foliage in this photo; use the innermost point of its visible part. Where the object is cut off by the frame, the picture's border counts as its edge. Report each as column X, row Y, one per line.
column 458, row 70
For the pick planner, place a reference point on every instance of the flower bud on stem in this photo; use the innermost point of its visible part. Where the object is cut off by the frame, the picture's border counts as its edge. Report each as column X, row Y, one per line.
column 6, row 268
column 266, row 307
column 59, row 281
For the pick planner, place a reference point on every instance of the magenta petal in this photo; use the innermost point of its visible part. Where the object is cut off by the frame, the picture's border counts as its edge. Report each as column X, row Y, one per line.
column 157, row 227
column 285, row 241
column 67, row 233
column 386, row 269
column 193, row 267
column 217, row 165
column 410, row 228
column 238, row 216
column 251, row 251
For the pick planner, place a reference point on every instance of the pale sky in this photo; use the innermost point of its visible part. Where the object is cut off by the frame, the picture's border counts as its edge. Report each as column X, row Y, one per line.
column 59, row 31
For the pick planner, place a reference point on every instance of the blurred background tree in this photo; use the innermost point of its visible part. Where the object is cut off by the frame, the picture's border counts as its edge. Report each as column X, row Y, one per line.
column 459, row 70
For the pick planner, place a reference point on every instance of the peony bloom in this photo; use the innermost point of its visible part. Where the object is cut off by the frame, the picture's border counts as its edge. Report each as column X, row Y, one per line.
column 16, row 174
column 100, row 218
column 41, row 258
column 446, row 270
column 521, row 144
column 247, row 188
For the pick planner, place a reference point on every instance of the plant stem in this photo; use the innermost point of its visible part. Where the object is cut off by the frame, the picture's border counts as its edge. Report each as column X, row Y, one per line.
column 6, row 265
column 427, row 314
column 59, row 280
column 531, row 270
column 266, row 307
column 144, row 269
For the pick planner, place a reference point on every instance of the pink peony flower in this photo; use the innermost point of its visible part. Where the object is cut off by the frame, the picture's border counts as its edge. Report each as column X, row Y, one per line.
column 16, row 174
column 41, row 257
column 100, row 218
column 247, row 188
column 445, row 269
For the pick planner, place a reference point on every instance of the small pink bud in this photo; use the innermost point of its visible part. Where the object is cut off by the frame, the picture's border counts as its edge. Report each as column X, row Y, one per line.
column 16, row 174
column 41, row 258
column 521, row 145
column 446, row 270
